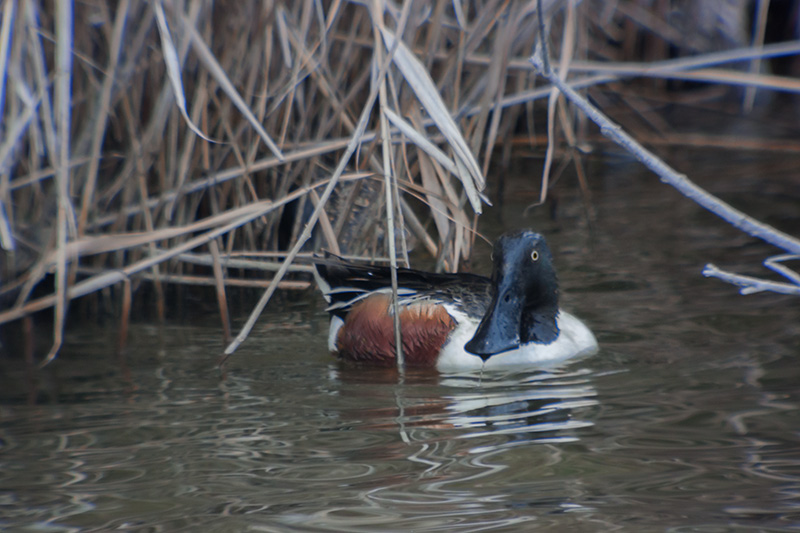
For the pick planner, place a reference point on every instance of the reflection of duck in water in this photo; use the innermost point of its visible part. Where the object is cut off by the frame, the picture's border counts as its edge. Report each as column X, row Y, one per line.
column 456, row 321
column 497, row 410
column 535, row 408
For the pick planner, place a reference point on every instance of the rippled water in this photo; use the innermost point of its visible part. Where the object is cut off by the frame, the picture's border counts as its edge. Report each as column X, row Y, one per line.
column 687, row 419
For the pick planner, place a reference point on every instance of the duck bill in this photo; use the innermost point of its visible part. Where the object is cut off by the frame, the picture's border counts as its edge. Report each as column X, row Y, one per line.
column 499, row 330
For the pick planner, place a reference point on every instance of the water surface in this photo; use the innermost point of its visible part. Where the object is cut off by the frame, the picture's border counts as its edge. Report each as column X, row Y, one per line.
column 687, row 419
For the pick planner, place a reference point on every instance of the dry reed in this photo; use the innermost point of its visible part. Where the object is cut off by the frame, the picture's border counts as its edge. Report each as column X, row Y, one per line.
column 158, row 140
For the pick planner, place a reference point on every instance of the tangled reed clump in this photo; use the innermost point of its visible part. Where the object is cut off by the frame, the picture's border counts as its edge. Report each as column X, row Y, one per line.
column 190, row 142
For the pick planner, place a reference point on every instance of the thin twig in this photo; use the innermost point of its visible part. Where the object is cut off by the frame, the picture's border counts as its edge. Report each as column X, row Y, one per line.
column 749, row 284
column 773, row 264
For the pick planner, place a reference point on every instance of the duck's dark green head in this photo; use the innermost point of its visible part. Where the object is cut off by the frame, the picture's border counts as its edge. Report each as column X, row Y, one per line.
column 525, row 296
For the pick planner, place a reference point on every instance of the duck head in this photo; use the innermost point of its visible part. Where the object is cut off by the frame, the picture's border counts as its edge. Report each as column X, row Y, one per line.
column 524, row 301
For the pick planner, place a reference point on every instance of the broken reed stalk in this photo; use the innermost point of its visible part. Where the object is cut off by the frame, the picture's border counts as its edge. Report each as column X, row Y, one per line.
column 125, row 317
column 65, row 214
column 219, row 285
column 389, row 174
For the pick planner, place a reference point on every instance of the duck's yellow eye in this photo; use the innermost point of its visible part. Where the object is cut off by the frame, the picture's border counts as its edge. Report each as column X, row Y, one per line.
column 535, row 256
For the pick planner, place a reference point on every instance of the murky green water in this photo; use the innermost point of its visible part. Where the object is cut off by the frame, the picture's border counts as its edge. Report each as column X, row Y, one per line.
column 687, row 420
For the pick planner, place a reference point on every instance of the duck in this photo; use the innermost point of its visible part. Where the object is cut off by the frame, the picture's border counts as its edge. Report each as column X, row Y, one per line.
column 455, row 322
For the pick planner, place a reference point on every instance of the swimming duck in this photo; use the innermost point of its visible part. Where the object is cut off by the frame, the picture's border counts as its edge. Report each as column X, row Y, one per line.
column 455, row 321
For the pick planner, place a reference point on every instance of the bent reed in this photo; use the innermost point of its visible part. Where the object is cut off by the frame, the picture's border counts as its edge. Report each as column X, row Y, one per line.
column 206, row 143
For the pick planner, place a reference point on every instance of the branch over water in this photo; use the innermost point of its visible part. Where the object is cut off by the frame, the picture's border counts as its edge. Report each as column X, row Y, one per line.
column 667, row 174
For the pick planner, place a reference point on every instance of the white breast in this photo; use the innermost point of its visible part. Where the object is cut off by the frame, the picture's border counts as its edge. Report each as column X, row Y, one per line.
column 574, row 340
